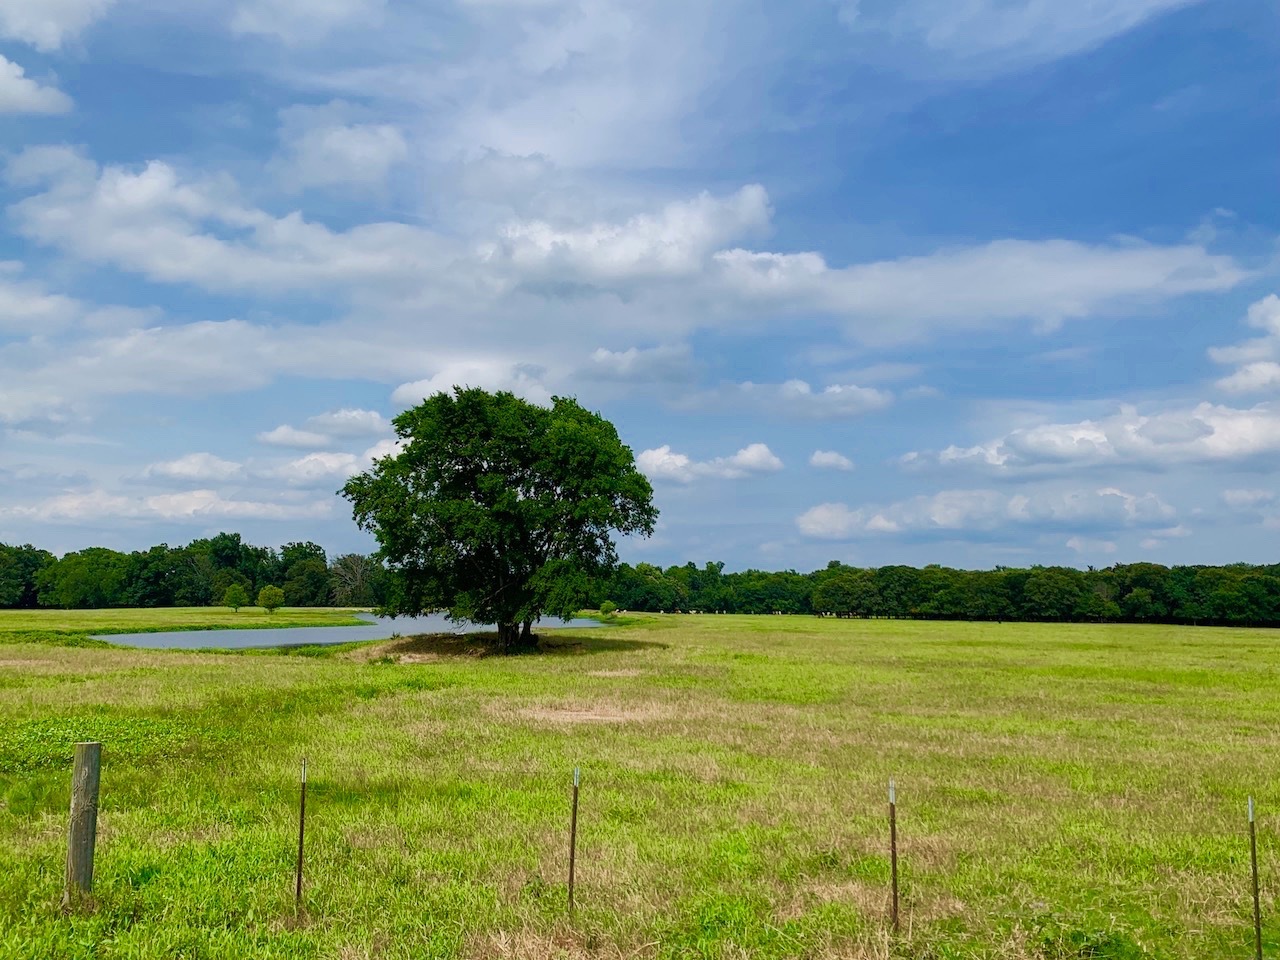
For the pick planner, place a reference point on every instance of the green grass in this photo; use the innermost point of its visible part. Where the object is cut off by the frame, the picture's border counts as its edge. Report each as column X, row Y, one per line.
column 1065, row 792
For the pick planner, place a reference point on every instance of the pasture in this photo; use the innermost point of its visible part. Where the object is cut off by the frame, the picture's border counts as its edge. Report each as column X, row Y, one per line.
column 1064, row 791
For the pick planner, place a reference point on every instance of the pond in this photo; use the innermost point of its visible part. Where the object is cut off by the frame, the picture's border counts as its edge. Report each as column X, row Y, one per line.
column 379, row 628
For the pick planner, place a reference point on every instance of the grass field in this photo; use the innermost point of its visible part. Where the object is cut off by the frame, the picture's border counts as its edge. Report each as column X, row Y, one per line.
column 1064, row 792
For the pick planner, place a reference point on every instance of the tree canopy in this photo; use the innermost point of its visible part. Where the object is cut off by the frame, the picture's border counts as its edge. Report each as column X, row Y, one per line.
column 500, row 511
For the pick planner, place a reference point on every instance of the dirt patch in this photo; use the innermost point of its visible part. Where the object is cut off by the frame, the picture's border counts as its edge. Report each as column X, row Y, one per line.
column 615, row 673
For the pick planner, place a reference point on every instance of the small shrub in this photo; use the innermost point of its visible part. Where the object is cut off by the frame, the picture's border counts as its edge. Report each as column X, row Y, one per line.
column 235, row 597
column 271, row 599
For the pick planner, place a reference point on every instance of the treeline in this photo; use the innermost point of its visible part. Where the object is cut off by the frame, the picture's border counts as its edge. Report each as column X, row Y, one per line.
column 1237, row 594
column 196, row 575
column 200, row 573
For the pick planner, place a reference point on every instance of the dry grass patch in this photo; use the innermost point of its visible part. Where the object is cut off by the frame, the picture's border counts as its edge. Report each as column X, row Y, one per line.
column 601, row 713
column 562, row 943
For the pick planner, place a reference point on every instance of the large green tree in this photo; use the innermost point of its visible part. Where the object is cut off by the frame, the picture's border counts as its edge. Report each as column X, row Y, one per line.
column 498, row 510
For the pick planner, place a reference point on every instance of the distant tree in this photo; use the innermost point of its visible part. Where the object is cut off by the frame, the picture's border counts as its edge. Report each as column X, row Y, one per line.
column 357, row 580
column 293, row 553
column 1142, row 604
column 194, row 576
column 608, row 608
column 307, row 583
column 499, row 510
column 90, row 578
column 152, row 577
column 270, row 598
column 20, row 569
column 235, row 597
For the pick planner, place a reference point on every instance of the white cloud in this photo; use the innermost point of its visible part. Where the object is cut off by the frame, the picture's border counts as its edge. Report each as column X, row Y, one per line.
column 196, row 506
column 1085, row 545
column 47, row 24
column 26, row 307
column 830, row 460
column 662, row 463
column 383, row 448
column 20, row 94
column 321, row 147
column 350, row 422
column 1205, row 433
column 977, row 287
column 1253, row 378
column 299, row 21
column 796, row 398
column 662, row 364
column 675, row 242
column 1023, row 31
column 524, row 380
column 663, row 273
column 195, row 467
column 319, row 469
column 47, row 379
column 966, row 512
column 1258, row 370
column 287, row 436
column 1246, row 499
column 174, row 230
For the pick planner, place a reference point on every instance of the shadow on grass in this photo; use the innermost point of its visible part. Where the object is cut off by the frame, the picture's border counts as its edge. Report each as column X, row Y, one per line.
column 435, row 646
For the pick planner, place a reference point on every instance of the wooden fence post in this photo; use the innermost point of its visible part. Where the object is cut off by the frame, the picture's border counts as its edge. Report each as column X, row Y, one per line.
column 1257, row 900
column 893, row 849
column 82, row 835
column 573, row 836
column 302, row 832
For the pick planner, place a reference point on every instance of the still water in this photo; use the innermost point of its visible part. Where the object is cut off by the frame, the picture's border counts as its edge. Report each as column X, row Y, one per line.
column 379, row 628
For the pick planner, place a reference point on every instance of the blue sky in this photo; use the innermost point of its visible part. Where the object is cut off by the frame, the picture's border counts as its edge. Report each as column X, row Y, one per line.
column 971, row 282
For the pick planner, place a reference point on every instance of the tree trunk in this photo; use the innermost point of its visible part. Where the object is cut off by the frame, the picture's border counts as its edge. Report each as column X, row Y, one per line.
column 508, row 636
column 516, row 637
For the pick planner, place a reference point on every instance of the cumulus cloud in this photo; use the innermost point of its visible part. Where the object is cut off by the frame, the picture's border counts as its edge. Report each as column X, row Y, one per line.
column 383, row 448
column 287, row 436
column 1257, row 369
column 47, row 24
column 830, row 460
column 966, row 512
column 20, row 94
column 665, row 267
column 195, row 467
column 319, row 469
column 1204, row 433
column 173, row 229
column 323, row 146
column 349, row 422
column 674, row 242
column 522, row 379
column 663, row 463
